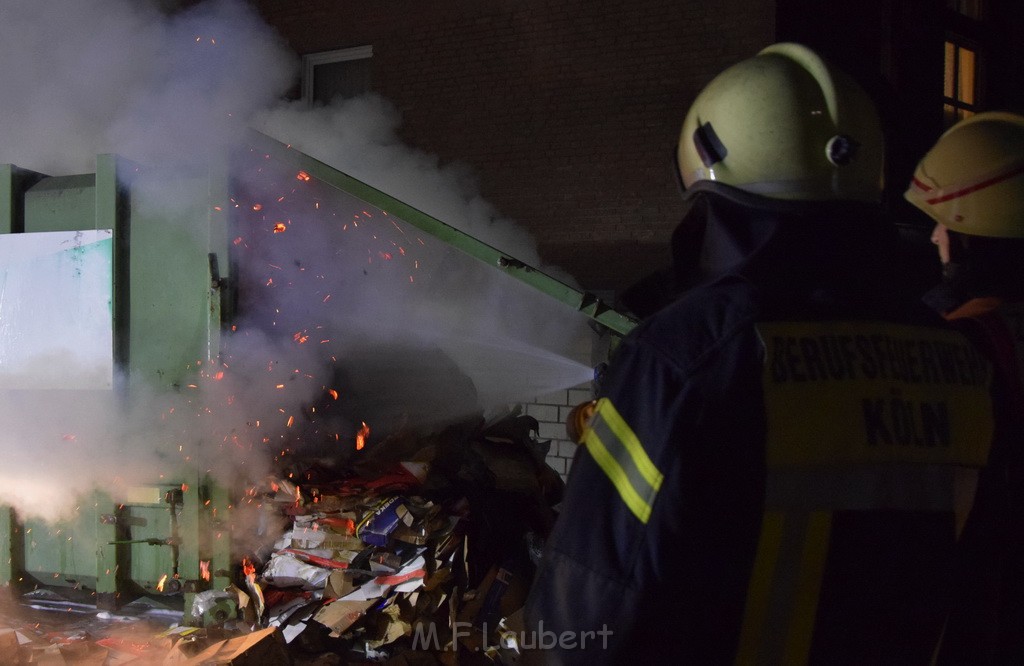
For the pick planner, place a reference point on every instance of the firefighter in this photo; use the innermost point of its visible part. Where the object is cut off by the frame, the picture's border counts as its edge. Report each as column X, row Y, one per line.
column 770, row 471
column 971, row 183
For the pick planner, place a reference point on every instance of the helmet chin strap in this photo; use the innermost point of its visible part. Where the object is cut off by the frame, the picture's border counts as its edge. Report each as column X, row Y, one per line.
column 954, row 272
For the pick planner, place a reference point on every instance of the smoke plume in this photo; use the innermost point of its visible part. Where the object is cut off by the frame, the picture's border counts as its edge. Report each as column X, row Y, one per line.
column 347, row 314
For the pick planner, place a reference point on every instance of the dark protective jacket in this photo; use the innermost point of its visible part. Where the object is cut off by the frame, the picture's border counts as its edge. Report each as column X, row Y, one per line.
column 771, row 472
column 987, row 621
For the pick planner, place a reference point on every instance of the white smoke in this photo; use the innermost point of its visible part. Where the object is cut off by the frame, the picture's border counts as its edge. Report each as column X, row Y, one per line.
column 427, row 333
column 85, row 77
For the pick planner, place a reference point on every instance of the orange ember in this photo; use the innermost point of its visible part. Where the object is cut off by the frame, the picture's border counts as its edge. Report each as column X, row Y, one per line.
column 303, row 176
column 332, row 393
column 279, row 228
column 361, row 436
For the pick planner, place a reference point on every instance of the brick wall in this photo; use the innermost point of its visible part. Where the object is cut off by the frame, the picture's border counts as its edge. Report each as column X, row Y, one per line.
column 567, row 110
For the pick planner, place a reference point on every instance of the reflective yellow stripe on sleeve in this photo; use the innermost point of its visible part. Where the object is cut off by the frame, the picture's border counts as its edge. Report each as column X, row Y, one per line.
column 618, row 452
column 782, row 598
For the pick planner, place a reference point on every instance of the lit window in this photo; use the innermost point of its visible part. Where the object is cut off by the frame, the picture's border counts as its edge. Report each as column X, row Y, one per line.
column 330, row 74
column 960, row 88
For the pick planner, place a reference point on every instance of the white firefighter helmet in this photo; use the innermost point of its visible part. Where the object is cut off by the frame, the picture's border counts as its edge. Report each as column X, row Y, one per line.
column 784, row 124
column 972, row 179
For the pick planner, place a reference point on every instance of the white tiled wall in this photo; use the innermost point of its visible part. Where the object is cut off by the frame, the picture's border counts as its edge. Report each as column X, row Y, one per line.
column 551, row 412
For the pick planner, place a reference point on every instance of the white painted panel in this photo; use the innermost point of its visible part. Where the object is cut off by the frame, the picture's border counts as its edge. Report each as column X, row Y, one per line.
column 56, row 322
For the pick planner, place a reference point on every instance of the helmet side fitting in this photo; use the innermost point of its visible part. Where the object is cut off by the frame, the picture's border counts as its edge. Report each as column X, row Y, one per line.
column 972, row 179
column 784, row 124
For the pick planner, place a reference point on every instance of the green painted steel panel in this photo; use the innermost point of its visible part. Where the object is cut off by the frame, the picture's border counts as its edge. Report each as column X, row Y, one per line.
column 170, row 298
column 63, row 554
column 62, row 203
column 14, row 182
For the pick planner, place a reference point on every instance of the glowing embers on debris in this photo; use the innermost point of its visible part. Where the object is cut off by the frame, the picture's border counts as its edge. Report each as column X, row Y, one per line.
column 361, row 436
column 254, row 589
column 368, row 556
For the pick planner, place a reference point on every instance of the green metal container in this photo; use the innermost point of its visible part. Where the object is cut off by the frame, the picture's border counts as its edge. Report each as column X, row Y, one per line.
column 154, row 308
column 162, row 292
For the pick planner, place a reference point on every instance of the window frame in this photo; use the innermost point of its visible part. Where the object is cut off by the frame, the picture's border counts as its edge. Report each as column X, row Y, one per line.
column 311, row 61
column 956, row 101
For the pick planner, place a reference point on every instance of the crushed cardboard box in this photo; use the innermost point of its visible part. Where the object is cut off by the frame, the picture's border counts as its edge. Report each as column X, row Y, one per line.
column 265, row 647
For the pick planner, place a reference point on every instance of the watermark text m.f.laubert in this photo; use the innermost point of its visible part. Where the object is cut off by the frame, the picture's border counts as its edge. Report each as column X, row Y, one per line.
column 425, row 637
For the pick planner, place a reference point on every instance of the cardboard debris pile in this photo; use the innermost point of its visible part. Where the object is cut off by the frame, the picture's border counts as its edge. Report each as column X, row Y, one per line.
column 415, row 551
column 131, row 643
column 432, row 554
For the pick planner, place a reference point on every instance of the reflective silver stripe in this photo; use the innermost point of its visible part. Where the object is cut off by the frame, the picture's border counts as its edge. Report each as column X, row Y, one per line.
column 861, row 488
column 784, row 585
column 618, row 452
column 782, row 597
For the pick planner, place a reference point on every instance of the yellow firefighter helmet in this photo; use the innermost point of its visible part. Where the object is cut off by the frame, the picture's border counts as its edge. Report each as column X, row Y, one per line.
column 972, row 180
column 784, row 124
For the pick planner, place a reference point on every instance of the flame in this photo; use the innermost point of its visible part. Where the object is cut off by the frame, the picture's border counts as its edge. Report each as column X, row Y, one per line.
column 160, row 584
column 204, row 569
column 361, row 436
column 248, row 568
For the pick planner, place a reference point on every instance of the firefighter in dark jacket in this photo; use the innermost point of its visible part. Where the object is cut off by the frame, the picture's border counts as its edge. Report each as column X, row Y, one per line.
column 771, row 470
column 971, row 183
